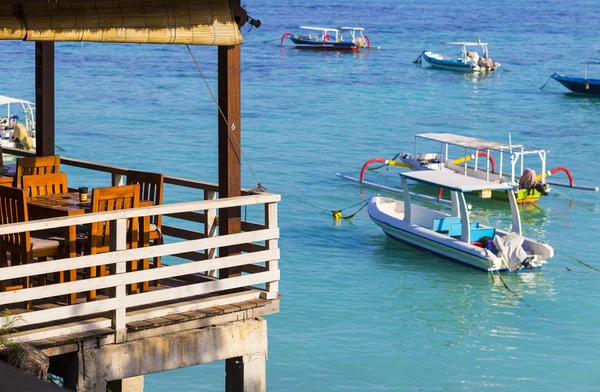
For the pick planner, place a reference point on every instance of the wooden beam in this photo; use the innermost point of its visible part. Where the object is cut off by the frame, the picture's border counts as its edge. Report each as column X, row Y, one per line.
column 229, row 145
column 44, row 98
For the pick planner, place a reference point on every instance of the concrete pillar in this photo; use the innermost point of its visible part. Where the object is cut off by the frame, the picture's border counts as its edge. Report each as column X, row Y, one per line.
column 247, row 373
column 132, row 384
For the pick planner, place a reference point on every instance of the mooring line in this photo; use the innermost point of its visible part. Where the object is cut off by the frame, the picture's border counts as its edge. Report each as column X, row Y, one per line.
column 573, row 200
column 549, row 77
column 577, row 260
column 513, row 292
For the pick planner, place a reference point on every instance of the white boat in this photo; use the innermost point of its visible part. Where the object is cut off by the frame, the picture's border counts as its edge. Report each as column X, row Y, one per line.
column 469, row 61
column 13, row 132
column 455, row 236
column 478, row 161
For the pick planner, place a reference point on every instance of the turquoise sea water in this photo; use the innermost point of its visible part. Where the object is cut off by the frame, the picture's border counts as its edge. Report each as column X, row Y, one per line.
column 359, row 311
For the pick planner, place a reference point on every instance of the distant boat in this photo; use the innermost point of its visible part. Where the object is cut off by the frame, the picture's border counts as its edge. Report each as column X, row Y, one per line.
column 454, row 236
column 580, row 85
column 324, row 38
column 469, row 61
column 13, row 132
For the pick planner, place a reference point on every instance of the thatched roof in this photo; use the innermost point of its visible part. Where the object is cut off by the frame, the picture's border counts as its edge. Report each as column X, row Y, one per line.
column 197, row 22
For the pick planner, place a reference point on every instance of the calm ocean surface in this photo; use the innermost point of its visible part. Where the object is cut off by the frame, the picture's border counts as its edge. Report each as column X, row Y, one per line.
column 359, row 311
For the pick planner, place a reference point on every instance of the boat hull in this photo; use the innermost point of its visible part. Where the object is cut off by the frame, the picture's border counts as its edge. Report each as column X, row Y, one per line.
column 451, row 64
column 579, row 85
column 430, row 241
column 322, row 45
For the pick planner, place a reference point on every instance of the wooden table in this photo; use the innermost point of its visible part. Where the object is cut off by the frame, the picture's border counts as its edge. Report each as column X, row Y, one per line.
column 68, row 204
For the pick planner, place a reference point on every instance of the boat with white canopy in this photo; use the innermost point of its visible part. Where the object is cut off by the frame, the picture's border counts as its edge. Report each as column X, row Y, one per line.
column 479, row 162
column 325, row 38
column 455, row 236
column 469, row 60
column 13, row 132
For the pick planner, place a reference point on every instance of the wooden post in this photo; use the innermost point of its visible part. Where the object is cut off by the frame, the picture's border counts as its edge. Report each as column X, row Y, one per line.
column 118, row 241
column 44, row 98
column 229, row 147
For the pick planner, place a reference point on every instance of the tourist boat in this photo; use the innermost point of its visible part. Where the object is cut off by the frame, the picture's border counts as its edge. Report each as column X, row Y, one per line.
column 455, row 236
column 580, row 85
column 529, row 187
column 469, row 61
column 13, row 132
column 323, row 38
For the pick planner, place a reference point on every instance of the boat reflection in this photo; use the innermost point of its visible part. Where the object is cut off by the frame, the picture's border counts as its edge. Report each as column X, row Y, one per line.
column 325, row 54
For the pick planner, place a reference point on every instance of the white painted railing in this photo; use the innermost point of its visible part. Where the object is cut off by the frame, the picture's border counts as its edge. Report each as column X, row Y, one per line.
column 258, row 261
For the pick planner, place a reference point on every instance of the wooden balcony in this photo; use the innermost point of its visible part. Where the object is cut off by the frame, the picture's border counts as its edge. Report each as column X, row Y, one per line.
column 191, row 294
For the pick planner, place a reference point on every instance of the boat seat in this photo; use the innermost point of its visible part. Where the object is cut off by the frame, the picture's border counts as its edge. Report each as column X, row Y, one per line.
column 451, row 226
column 479, row 233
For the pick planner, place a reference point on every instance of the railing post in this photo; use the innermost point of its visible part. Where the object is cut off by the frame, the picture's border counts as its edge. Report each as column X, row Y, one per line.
column 272, row 265
column 210, row 228
column 118, row 241
column 118, row 179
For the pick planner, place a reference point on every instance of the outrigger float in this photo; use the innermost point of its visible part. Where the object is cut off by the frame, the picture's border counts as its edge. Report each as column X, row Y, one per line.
column 528, row 187
column 324, row 38
column 455, row 236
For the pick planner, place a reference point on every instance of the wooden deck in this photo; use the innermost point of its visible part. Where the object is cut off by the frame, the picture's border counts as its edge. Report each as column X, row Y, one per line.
column 191, row 290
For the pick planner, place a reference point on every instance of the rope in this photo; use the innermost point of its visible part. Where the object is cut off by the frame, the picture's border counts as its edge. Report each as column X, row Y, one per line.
column 418, row 59
column 513, row 292
column 384, row 164
column 338, row 214
column 259, row 186
column 549, row 77
column 573, row 200
column 579, row 261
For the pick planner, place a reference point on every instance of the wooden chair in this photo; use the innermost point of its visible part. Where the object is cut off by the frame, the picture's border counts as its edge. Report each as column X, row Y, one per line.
column 44, row 184
column 23, row 248
column 36, row 166
column 151, row 189
column 111, row 199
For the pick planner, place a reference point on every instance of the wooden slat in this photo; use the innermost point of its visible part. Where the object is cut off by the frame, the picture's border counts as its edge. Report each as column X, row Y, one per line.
column 190, row 216
column 253, row 268
column 249, row 226
column 138, row 212
column 192, row 256
column 181, row 233
column 252, row 247
column 62, row 329
column 133, row 277
column 101, row 306
column 133, row 254
column 193, row 305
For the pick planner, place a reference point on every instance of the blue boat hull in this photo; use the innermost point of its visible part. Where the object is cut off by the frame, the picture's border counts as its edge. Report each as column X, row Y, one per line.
column 579, row 85
column 451, row 64
column 320, row 45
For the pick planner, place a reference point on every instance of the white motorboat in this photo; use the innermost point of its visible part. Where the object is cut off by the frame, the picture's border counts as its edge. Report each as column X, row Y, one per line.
column 13, row 132
column 455, row 236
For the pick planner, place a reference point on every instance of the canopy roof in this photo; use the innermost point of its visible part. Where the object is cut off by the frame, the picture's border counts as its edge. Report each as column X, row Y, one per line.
column 318, row 28
column 474, row 143
column 454, row 181
column 4, row 100
column 467, row 43
column 353, row 28
column 198, row 22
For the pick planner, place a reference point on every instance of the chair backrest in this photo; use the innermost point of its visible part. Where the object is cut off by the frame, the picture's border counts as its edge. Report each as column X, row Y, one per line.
column 36, row 166
column 111, row 199
column 151, row 188
column 44, row 184
column 13, row 209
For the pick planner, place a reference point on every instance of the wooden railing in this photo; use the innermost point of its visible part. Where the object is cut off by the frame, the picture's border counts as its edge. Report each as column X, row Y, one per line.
column 199, row 283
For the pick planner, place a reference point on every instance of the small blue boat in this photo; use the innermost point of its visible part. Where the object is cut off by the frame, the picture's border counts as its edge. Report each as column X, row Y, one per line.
column 470, row 61
column 580, row 85
column 324, row 38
